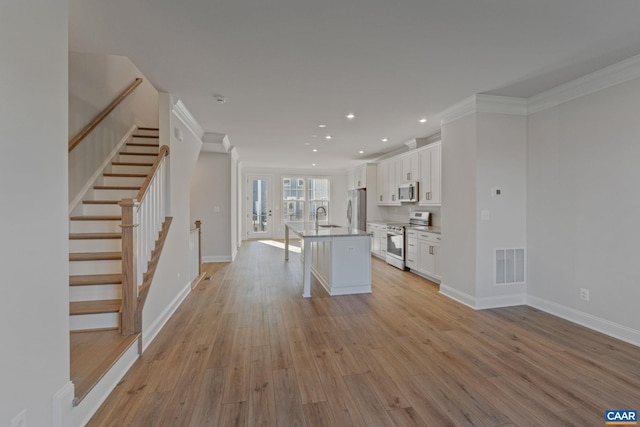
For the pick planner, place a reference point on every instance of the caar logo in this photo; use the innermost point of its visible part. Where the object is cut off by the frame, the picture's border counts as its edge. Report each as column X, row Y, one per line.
column 621, row 417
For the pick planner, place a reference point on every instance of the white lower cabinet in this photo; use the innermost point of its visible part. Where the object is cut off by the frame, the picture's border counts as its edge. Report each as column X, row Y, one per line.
column 428, row 246
column 378, row 239
column 411, row 256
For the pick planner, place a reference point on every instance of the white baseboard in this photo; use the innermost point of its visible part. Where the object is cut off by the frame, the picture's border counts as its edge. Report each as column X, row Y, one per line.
column 81, row 414
column 91, row 181
column 148, row 334
column 456, row 295
column 604, row 326
column 63, row 405
column 500, row 301
column 234, row 254
column 219, row 258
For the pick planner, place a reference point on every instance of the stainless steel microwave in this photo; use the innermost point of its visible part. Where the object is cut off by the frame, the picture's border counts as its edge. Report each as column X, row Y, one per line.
column 408, row 192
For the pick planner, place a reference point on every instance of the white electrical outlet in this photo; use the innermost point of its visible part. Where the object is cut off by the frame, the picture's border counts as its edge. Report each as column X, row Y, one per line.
column 20, row 420
column 584, row 294
column 485, row 215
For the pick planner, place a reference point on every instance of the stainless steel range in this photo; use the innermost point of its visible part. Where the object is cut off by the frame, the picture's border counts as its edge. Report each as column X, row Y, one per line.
column 396, row 237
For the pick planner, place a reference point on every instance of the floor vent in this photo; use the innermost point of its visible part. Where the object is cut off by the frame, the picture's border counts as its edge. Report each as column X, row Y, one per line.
column 509, row 266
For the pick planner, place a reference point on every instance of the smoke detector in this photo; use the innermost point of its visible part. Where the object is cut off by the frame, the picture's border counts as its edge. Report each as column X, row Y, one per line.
column 220, row 98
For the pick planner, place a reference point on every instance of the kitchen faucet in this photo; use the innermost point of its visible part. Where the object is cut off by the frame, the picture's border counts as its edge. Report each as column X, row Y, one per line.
column 317, row 211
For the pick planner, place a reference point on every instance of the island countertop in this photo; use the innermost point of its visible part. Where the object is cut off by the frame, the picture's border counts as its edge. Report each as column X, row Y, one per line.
column 306, row 229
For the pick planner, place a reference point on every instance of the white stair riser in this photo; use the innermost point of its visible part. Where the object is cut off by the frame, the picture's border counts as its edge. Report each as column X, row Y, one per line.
column 136, row 158
column 83, row 322
column 101, row 194
column 123, row 180
column 77, row 268
column 94, row 227
column 130, row 169
column 102, row 210
column 142, row 149
column 94, row 292
column 95, row 245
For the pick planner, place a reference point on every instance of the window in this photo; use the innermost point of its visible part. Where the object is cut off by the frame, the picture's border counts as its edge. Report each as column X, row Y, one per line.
column 298, row 199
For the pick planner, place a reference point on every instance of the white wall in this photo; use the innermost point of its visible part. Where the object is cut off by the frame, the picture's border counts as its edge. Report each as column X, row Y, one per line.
column 458, row 249
column 500, row 163
column 94, row 82
column 171, row 283
column 583, row 209
column 34, row 310
column 211, row 202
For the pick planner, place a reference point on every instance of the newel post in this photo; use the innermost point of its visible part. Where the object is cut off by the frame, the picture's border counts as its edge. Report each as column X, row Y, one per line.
column 199, row 227
column 129, row 276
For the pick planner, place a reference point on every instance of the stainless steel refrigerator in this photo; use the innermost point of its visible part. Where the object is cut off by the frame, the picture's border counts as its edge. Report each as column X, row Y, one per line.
column 357, row 209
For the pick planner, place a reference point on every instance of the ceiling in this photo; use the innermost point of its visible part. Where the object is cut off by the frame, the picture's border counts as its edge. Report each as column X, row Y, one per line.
column 286, row 66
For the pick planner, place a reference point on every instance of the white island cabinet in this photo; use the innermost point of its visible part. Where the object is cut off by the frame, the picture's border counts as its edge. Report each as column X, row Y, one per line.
column 339, row 257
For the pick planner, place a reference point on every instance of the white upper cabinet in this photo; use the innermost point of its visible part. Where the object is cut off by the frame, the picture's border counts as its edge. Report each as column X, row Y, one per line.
column 382, row 183
column 430, row 175
column 360, row 176
column 410, row 168
column 351, row 179
column 357, row 177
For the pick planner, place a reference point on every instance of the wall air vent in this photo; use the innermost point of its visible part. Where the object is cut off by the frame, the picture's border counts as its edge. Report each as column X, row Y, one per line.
column 510, row 266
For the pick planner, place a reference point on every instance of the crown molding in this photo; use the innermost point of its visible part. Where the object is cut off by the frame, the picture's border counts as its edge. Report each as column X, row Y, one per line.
column 621, row 72
column 185, row 116
column 480, row 103
column 213, row 142
column 501, row 105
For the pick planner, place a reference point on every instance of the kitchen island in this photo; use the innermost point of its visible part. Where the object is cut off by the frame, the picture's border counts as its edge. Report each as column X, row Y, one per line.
column 339, row 257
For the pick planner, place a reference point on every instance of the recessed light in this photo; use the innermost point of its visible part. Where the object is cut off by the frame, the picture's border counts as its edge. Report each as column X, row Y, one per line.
column 314, row 136
column 322, row 126
column 385, row 139
column 361, row 151
column 423, row 120
column 315, row 150
column 350, row 116
column 328, row 137
column 307, row 143
column 313, row 164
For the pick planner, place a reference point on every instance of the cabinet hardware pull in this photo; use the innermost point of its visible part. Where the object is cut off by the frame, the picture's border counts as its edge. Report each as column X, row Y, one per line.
column 430, row 250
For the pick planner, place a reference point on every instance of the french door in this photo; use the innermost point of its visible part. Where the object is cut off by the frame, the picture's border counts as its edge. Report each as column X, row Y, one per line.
column 259, row 207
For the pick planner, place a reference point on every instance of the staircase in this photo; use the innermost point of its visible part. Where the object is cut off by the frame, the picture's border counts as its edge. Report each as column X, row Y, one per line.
column 95, row 239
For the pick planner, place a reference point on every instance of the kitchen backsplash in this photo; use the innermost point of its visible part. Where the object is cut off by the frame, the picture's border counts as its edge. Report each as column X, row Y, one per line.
column 401, row 213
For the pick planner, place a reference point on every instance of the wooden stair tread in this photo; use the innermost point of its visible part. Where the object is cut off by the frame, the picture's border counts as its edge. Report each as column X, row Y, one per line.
column 148, row 128
column 101, row 202
column 94, row 236
column 93, row 353
column 143, row 144
column 134, row 153
column 145, row 136
column 96, row 218
column 131, row 164
column 125, row 175
column 95, row 307
column 95, row 279
column 116, row 187
column 95, row 256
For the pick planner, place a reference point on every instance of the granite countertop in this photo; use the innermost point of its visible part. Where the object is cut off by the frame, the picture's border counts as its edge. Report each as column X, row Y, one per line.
column 308, row 229
column 429, row 229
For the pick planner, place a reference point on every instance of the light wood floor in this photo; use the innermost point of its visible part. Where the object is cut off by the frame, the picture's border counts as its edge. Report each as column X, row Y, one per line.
column 246, row 349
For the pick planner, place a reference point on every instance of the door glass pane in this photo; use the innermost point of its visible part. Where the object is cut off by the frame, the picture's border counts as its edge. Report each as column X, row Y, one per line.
column 260, row 208
column 293, row 195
